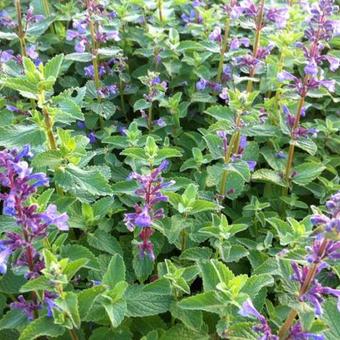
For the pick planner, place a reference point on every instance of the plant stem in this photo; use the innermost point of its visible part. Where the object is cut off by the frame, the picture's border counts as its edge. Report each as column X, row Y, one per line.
column 150, row 118
column 234, row 144
column 292, row 143
column 224, row 48
column 122, row 103
column 259, row 22
column 304, row 288
column 73, row 334
column 21, row 33
column 160, row 10
column 49, row 129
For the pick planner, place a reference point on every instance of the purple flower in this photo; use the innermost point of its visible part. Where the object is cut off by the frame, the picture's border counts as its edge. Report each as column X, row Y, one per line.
column 281, row 155
column 160, row 122
column 80, row 46
column 201, row 85
column 5, row 252
column 19, row 184
column 216, row 35
column 81, row 124
column 192, row 17
column 224, row 94
column 279, row 16
column 32, row 52
column 311, row 68
column 236, row 43
column 92, row 137
column 248, row 310
column 51, row 216
column 332, row 223
column 6, row 56
column 6, row 20
column 297, row 333
column 149, row 190
column 251, row 165
column 107, row 91
column 227, row 74
column 314, row 294
column 27, row 307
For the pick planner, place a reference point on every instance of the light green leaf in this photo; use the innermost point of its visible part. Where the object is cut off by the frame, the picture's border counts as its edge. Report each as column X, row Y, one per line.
column 115, row 271
column 44, row 326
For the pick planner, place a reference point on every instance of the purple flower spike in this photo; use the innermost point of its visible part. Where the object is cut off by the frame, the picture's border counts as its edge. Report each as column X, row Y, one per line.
column 201, row 85
column 248, row 310
column 145, row 214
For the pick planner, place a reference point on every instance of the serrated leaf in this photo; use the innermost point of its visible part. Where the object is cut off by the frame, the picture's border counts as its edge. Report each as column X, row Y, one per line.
column 208, row 301
column 104, row 242
column 76, row 251
column 81, row 57
column 307, row 172
column 79, row 181
column 267, row 175
column 87, row 298
column 141, row 303
column 255, row 283
column 13, row 319
column 43, row 326
column 53, row 66
column 115, row 271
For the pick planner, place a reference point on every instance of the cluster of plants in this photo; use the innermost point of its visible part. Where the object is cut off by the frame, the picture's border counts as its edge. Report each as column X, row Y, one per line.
column 169, row 169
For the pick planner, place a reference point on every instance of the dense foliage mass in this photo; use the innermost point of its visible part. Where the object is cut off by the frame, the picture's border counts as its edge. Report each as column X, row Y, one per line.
column 169, row 169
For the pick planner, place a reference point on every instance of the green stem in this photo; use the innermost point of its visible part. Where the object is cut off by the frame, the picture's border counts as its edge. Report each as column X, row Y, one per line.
column 73, row 334
column 259, row 22
column 150, row 118
column 292, row 143
column 224, row 48
column 122, row 103
column 48, row 13
column 160, row 10
column 21, row 33
column 233, row 145
column 49, row 129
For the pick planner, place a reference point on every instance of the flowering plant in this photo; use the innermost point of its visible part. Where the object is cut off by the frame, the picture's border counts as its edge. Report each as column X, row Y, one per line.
column 169, row 168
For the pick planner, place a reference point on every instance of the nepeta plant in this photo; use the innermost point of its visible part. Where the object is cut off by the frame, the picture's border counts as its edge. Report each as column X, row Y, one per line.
column 169, row 169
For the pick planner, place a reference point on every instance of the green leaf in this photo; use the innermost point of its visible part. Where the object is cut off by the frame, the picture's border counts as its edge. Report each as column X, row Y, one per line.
column 44, row 326
column 115, row 271
column 50, row 159
column 141, row 302
column 38, row 28
column 179, row 331
column 220, row 112
column 53, row 66
column 10, row 283
column 191, row 318
column 20, row 135
column 332, row 317
column 13, row 319
column 115, row 312
column 69, row 111
column 233, row 253
column 307, row 145
column 307, row 172
column 141, row 104
column 104, row 242
column 255, row 283
column 67, row 310
column 82, row 181
column 203, row 205
column 87, row 298
column 76, row 251
column 124, row 187
column 40, row 283
column 81, row 57
column 267, row 175
column 142, row 266
column 73, row 267
column 208, row 301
